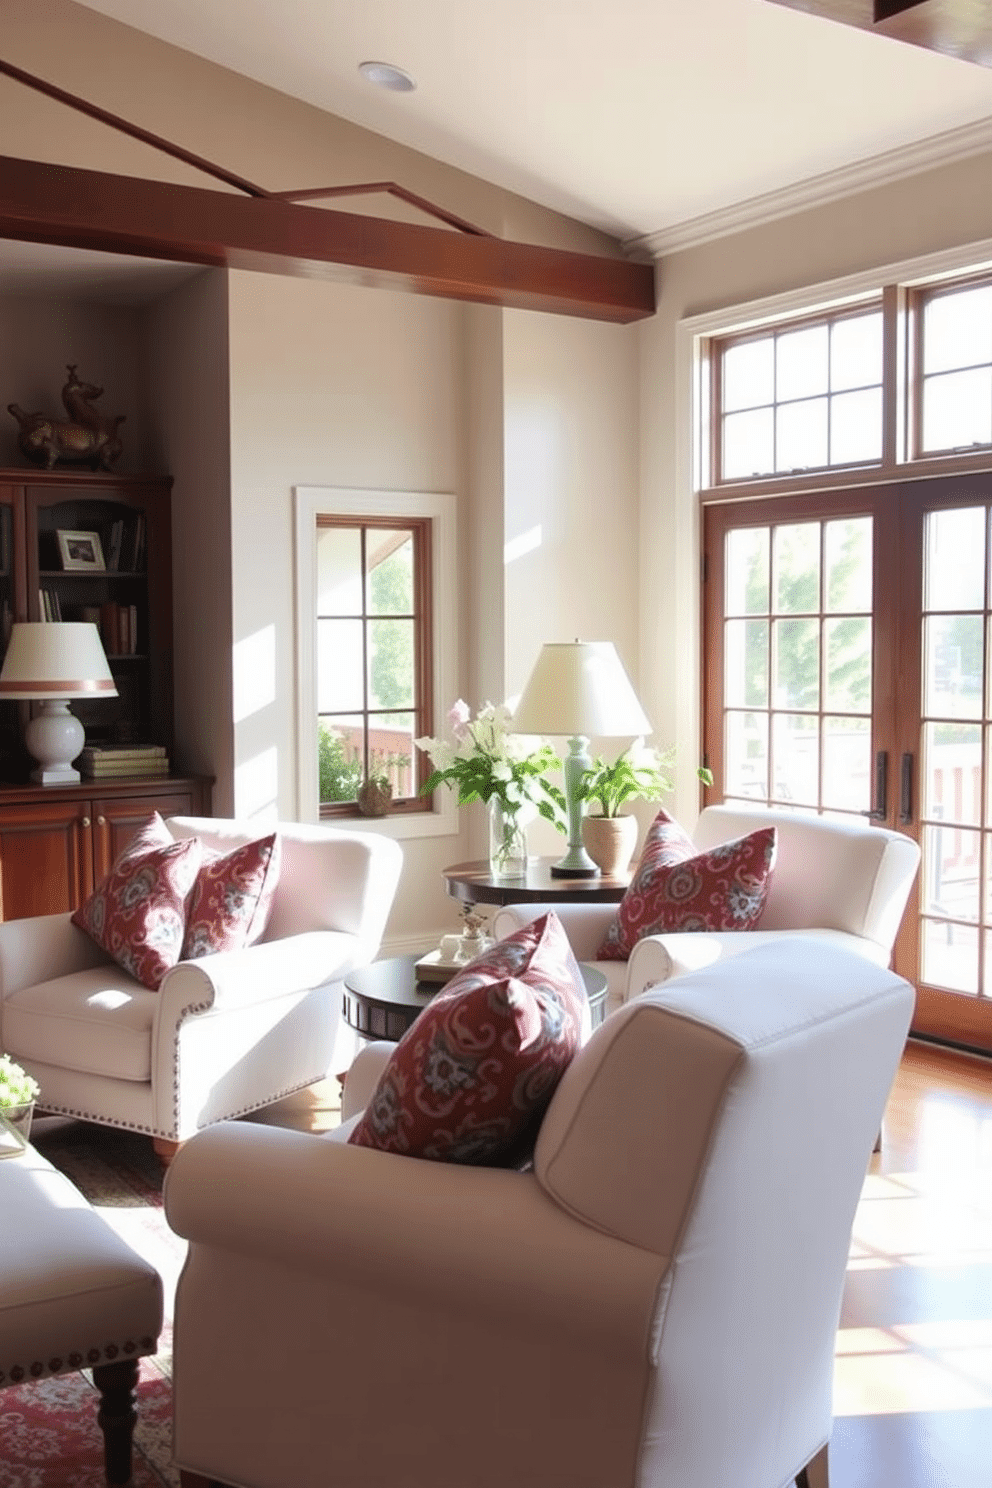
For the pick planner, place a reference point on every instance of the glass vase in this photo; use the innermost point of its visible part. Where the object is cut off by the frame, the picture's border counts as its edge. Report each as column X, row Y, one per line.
column 507, row 842
column 19, row 1118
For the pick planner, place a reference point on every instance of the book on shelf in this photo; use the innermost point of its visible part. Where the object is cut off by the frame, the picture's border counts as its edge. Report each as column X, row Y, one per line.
column 114, row 770
column 119, row 628
column 137, row 555
column 49, row 606
column 114, row 545
column 110, row 752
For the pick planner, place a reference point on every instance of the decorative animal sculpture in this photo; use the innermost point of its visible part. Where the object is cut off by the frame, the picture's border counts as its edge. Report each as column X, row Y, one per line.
column 86, row 437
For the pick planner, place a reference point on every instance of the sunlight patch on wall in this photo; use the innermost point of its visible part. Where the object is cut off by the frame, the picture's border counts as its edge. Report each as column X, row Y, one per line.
column 527, row 542
column 254, row 681
column 256, row 787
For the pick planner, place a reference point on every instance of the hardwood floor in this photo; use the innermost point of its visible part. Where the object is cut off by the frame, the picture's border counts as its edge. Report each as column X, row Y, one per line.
column 913, row 1379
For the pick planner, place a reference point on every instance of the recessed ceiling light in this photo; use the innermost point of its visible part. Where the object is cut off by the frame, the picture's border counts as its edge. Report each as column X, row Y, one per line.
column 385, row 75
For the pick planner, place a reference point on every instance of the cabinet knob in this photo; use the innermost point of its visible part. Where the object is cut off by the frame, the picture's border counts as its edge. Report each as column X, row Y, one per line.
column 101, row 821
column 86, row 821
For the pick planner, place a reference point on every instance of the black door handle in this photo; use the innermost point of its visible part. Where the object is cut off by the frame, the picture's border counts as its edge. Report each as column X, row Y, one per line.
column 880, row 810
column 906, row 789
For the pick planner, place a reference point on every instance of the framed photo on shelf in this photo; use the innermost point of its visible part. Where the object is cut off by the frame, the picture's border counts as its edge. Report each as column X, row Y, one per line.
column 81, row 550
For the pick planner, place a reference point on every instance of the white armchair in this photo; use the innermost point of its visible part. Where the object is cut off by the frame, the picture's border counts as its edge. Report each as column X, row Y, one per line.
column 842, row 882
column 653, row 1306
column 223, row 1035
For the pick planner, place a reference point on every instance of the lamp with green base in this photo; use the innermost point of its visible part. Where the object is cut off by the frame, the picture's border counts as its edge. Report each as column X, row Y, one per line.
column 579, row 689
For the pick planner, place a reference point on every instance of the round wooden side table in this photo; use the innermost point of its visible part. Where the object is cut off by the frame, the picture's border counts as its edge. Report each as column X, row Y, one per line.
column 473, row 883
column 382, row 1000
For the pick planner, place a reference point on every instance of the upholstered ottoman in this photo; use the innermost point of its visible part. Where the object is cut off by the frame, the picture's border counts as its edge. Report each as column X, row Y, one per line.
column 73, row 1295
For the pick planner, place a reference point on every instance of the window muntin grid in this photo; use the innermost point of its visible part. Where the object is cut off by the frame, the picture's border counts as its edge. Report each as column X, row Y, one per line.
column 372, row 656
column 799, row 398
column 798, row 641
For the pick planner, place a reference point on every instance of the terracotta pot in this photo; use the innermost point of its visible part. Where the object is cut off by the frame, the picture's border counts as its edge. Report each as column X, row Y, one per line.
column 610, row 842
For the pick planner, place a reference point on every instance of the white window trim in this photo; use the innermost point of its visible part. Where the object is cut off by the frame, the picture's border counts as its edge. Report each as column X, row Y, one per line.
column 337, row 501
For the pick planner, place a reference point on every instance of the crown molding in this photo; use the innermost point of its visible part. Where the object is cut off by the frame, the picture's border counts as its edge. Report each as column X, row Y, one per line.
column 816, row 191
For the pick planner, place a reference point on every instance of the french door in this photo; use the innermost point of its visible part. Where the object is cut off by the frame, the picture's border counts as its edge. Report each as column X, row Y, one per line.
column 848, row 670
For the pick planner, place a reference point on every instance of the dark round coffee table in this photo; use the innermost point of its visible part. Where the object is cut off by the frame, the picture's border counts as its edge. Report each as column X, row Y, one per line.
column 382, row 1000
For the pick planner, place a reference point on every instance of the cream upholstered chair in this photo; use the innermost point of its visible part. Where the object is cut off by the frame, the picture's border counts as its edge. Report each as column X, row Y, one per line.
column 844, row 882
column 223, row 1035
column 653, row 1306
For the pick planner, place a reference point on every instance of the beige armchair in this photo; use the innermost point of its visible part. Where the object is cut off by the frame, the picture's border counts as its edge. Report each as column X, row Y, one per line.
column 653, row 1306
column 843, row 882
column 223, row 1035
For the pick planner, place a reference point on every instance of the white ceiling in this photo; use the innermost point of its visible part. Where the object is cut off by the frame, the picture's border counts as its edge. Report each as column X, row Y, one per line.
column 636, row 116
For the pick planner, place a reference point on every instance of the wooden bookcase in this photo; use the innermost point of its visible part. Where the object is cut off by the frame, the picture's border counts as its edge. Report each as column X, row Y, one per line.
column 55, row 842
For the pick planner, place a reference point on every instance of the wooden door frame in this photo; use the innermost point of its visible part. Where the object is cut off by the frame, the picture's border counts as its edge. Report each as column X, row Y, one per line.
column 898, row 509
column 717, row 517
column 972, row 1024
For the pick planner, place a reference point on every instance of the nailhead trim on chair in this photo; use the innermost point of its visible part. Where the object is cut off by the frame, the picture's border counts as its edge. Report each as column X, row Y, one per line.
column 170, row 1136
column 54, row 1109
column 17, row 1373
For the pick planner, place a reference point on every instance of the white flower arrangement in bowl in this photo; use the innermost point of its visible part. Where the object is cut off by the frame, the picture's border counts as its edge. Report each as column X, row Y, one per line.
column 18, row 1093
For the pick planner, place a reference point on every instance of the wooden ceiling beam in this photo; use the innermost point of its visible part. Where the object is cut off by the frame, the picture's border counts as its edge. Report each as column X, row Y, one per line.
column 958, row 28
column 46, row 203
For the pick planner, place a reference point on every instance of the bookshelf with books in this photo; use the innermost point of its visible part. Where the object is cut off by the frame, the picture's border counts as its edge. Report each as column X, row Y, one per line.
column 121, row 579
column 57, row 841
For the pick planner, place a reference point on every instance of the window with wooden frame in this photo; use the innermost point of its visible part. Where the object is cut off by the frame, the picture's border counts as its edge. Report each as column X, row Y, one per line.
column 804, row 395
column 373, row 658
column 952, row 406
column 861, row 390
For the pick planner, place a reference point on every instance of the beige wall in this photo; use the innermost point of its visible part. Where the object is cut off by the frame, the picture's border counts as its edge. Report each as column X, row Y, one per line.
column 330, row 386
column 934, row 211
column 347, row 387
column 571, row 503
column 189, row 391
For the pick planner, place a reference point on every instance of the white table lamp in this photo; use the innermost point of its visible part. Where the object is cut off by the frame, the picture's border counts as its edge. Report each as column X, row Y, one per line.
column 580, row 689
column 50, row 662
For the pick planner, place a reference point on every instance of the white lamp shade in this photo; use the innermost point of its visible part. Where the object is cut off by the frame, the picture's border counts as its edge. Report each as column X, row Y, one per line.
column 580, row 688
column 55, row 659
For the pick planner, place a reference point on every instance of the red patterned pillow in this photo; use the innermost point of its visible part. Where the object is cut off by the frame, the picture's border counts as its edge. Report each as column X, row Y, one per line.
column 470, row 1080
column 231, row 899
column 676, row 888
column 138, row 913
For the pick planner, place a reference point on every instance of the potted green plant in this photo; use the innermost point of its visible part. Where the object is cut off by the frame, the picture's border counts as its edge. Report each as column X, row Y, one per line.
column 18, row 1093
column 639, row 773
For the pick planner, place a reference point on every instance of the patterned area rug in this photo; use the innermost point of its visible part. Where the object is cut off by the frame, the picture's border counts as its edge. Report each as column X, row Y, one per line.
column 49, row 1437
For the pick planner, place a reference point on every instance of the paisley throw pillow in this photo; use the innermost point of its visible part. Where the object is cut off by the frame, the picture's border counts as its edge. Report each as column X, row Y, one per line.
column 231, row 898
column 470, row 1080
column 138, row 913
column 677, row 888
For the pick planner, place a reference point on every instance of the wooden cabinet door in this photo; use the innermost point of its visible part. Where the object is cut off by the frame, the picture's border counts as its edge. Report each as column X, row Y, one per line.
column 46, row 859
column 115, row 822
